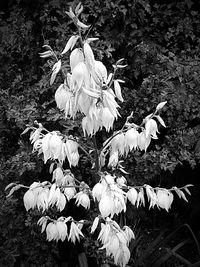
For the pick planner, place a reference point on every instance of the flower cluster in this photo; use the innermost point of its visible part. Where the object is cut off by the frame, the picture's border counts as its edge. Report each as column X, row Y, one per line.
column 54, row 146
column 108, row 191
column 159, row 197
column 115, row 241
column 124, row 141
column 58, row 229
column 42, row 196
column 86, row 90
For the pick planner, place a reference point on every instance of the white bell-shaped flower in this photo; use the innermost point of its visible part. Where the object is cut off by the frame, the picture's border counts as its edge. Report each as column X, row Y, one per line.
column 107, row 119
column 52, row 231
column 164, row 199
column 70, row 192
column 118, row 143
column 74, row 233
column 55, row 146
column 98, row 191
column 61, row 96
column 42, row 199
column 143, row 141
column 30, row 200
column 151, row 129
column 104, row 208
column 132, row 195
column 46, row 147
column 80, row 77
column 82, row 199
column 62, row 230
column 61, row 202
column 131, row 138
column 101, row 70
column 76, row 57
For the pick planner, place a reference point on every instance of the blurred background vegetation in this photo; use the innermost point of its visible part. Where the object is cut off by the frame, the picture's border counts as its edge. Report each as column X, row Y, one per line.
column 160, row 42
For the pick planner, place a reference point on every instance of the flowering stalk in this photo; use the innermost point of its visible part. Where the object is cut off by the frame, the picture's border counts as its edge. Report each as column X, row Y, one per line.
column 88, row 89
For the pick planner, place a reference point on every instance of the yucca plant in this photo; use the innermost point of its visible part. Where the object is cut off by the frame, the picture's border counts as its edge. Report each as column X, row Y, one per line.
column 90, row 94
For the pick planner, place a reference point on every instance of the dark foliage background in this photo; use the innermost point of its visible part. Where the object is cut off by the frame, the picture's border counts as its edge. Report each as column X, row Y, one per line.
column 160, row 42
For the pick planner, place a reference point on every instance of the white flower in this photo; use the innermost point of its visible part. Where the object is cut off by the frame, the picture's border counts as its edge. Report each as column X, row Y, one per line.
column 61, row 202
column 143, row 141
column 106, row 206
column 71, row 148
column 131, row 138
column 101, row 70
column 52, row 231
column 42, row 199
column 90, row 126
column 76, row 57
column 30, row 200
column 132, row 195
column 80, row 77
column 89, row 56
column 62, row 230
column 164, row 199
column 70, row 192
column 46, row 147
column 98, row 191
column 57, row 175
column 62, row 96
column 151, row 129
column 107, row 119
column 118, row 143
column 74, row 233
column 82, row 199
column 151, row 195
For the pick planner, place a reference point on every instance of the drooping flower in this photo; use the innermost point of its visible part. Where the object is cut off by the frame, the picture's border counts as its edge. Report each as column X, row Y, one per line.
column 143, row 141
column 104, row 208
column 30, row 200
column 131, row 138
column 132, row 195
column 82, row 199
column 74, row 233
column 98, row 191
column 164, row 199
column 107, row 119
column 76, row 57
column 70, row 192
column 61, row 96
column 55, row 146
column 62, row 230
column 52, row 231
column 151, row 129
column 118, row 143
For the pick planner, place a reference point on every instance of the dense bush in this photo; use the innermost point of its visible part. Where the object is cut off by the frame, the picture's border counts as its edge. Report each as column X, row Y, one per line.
column 160, row 43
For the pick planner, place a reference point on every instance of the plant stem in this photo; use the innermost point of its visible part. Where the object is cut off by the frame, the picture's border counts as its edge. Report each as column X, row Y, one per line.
column 97, row 167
